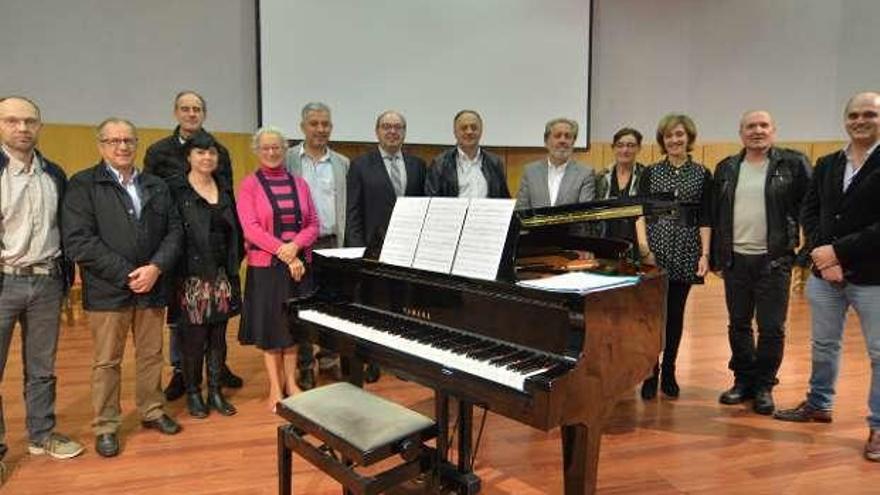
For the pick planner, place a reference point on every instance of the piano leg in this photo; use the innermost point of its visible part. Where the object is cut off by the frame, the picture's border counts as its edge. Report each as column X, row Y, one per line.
column 352, row 369
column 580, row 455
column 459, row 479
column 465, row 430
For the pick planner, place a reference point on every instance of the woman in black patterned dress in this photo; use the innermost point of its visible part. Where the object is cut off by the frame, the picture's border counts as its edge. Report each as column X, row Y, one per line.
column 682, row 250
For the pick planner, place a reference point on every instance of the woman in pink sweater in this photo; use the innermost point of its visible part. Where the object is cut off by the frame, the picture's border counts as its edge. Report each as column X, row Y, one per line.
column 280, row 225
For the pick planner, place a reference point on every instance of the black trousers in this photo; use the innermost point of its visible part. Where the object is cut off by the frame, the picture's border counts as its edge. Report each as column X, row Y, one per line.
column 756, row 287
column 675, row 301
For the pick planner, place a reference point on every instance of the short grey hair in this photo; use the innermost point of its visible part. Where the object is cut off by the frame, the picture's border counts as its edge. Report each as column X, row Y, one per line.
column 389, row 112
column 268, row 129
column 560, row 120
column 314, row 106
column 99, row 130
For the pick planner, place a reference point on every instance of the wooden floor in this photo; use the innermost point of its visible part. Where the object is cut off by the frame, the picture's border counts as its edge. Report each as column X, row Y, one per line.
column 692, row 445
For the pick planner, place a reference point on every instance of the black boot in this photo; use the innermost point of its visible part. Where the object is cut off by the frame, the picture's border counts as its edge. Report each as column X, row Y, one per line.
column 649, row 386
column 216, row 400
column 191, row 371
column 668, row 384
column 196, row 405
column 176, row 388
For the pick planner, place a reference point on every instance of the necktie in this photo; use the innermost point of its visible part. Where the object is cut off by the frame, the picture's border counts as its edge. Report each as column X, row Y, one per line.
column 394, row 173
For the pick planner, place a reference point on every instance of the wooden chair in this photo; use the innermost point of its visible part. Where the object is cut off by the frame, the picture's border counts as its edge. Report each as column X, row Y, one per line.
column 353, row 429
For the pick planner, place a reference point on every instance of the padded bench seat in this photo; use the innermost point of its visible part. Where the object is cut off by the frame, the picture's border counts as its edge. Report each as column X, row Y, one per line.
column 361, row 428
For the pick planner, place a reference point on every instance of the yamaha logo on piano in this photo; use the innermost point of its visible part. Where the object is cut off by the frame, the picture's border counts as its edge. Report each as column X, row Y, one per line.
column 415, row 312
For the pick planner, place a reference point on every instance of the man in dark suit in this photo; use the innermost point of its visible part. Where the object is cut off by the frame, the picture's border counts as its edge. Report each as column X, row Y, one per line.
column 373, row 184
column 467, row 170
column 375, row 181
column 841, row 219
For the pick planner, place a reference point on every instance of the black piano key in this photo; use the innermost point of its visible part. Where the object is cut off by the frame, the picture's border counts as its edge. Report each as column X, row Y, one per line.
column 510, row 358
column 526, row 363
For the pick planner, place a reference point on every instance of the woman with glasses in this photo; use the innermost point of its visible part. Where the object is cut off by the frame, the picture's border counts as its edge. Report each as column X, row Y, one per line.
column 682, row 250
column 280, row 225
column 208, row 289
column 620, row 181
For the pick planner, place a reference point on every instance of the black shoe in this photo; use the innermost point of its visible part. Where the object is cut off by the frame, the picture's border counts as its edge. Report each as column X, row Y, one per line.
column 763, row 403
column 107, row 445
column 229, row 379
column 305, row 379
column 804, row 413
column 737, row 394
column 372, row 373
column 217, row 402
column 668, row 384
column 176, row 387
column 164, row 424
column 196, row 405
column 649, row 388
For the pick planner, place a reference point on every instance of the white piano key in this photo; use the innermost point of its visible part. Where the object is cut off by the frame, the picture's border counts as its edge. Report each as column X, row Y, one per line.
column 499, row 374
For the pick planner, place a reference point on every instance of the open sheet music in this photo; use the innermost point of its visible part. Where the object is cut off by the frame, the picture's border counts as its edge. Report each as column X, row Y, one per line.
column 448, row 235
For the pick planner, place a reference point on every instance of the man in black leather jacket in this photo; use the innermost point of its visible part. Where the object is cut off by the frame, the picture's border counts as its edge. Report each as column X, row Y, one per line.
column 757, row 199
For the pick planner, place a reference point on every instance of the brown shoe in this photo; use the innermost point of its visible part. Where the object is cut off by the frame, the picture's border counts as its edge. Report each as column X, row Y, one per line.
column 803, row 413
column 872, row 446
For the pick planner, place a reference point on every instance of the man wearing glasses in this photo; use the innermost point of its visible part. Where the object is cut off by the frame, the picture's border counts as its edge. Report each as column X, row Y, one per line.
column 374, row 182
column 124, row 231
column 467, row 170
column 33, row 272
column 166, row 159
column 376, row 179
column 757, row 197
column 556, row 180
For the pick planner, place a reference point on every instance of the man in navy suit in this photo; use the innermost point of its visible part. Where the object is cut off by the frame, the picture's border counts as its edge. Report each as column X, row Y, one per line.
column 374, row 182
column 376, row 179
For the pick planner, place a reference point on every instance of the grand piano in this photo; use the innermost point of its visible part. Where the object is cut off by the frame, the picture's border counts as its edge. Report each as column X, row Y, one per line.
column 545, row 359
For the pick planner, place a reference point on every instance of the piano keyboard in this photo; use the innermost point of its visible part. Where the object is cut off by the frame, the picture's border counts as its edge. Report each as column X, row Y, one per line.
column 501, row 363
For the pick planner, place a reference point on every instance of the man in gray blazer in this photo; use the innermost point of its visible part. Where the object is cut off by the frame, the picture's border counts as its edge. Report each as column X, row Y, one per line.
column 558, row 180
column 324, row 170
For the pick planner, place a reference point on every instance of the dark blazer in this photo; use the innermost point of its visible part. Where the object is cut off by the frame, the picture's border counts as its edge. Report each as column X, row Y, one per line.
column 102, row 234
column 60, row 179
column 442, row 178
column 370, row 196
column 165, row 158
column 849, row 221
column 788, row 173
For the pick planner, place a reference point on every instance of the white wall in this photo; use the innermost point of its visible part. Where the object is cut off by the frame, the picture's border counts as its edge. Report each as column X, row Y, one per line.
column 714, row 59
column 86, row 59
column 83, row 60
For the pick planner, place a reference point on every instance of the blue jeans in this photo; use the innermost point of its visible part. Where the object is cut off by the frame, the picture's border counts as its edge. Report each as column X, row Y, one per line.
column 35, row 303
column 828, row 304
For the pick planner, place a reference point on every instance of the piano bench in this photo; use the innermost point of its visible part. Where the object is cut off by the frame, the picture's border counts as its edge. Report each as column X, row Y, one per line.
column 351, row 428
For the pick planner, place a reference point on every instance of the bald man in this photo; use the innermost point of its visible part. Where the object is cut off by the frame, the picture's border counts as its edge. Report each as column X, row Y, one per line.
column 758, row 194
column 841, row 218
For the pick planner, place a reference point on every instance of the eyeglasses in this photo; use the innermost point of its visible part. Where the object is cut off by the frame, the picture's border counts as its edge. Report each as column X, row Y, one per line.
column 392, row 127
column 626, row 145
column 271, row 147
column 117, row 142
column 29, row 122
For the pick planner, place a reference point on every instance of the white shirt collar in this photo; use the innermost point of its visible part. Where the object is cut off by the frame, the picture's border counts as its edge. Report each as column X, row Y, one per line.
column 118, row 175
column 17, row 167
column 302, row 152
